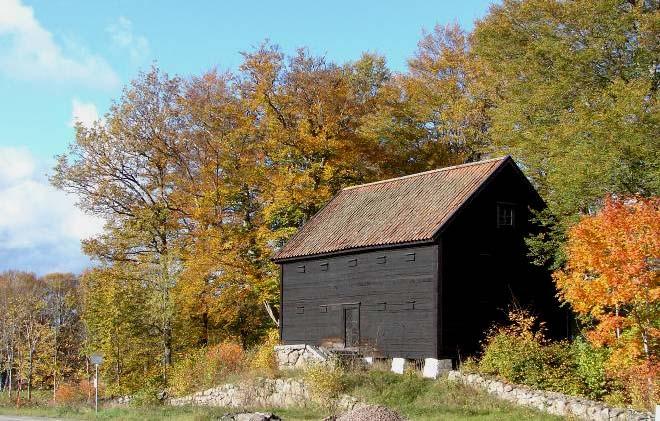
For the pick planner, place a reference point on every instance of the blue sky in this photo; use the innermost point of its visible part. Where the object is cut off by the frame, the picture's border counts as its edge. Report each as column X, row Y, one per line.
column 65, row 60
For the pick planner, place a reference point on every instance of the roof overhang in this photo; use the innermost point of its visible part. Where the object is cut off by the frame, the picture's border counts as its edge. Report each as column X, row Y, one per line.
column 507, row 162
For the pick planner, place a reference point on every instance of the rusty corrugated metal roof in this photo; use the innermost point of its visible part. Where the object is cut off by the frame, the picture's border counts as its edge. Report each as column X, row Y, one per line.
column 400, row 210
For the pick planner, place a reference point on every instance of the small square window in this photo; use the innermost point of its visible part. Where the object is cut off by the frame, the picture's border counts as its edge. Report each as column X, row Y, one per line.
column 323, row 309
column 352, row 262
column 300, row 310
column 505, row 215
column 410, row 257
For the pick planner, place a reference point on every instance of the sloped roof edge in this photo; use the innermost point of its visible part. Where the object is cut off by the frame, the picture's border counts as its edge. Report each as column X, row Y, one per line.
column 341, row 213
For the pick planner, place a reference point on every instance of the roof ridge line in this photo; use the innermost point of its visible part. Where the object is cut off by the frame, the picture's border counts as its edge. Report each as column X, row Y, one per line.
column 453, row 167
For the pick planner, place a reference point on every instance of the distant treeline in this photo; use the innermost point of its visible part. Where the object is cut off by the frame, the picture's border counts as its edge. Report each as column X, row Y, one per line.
column 41, row 332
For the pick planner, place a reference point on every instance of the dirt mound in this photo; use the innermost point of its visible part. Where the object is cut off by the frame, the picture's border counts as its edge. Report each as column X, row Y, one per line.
column 371, row 413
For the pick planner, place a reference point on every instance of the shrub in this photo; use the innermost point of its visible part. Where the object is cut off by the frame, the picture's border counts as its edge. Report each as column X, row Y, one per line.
column 149, row 394
column 641, row 384
column 407, row 389
column 225, row 358
column 520, row 353
column 263, row 355
column 206, row 367
column 87, row 388
column 183, row 375
column 326, row 381
column 513, row 351
column 590, row 366
column 469, row 366
column 72, row 393
column 69, row 394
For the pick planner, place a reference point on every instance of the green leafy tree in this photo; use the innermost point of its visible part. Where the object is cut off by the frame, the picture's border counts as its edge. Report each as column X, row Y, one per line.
column 576, row 96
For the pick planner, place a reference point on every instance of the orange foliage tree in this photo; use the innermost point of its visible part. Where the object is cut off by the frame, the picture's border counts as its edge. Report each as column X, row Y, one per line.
column 611, row 281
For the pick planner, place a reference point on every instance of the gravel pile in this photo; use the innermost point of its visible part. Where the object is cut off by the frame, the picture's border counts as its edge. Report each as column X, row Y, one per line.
column 251, row 416
column 371, row 413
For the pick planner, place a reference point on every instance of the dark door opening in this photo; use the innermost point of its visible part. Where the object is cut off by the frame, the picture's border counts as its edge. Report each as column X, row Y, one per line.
column 351, row 326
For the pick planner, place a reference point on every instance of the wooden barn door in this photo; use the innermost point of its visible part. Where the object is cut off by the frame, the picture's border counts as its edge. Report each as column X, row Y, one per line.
column 351, row 326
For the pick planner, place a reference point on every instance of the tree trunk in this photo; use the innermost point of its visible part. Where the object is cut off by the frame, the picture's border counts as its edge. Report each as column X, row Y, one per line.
column 19, row 385
column 11, row 375
column 29, row 379
column 205, row 323
column 55, row 368
column 167, row 349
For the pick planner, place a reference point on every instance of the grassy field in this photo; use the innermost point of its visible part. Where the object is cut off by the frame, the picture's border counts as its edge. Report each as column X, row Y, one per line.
column 422, row 399
column 155, row 413
column 418, row 399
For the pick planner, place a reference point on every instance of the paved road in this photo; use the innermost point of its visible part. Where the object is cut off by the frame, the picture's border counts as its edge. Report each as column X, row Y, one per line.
column 20, row 418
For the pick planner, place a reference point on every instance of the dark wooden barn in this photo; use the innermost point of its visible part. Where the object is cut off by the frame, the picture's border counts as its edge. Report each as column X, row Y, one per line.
column 417, row 266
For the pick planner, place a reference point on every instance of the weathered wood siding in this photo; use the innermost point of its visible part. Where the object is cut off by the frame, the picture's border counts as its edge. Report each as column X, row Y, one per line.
column 485, row 268
column 395, row 290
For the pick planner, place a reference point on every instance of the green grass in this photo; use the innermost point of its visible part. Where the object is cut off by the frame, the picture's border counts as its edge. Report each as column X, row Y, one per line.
column 40, row 406
column 417, row 398
column 154, row 413
column 423, row 399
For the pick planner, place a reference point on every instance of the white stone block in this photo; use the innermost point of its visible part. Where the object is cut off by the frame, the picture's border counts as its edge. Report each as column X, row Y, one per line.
column 369, row 360
column 434, row 368
column 398, row 364
column 431, row 368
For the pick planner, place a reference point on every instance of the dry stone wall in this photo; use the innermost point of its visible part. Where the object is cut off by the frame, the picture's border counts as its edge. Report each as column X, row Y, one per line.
column 550, row 402
column 277, row 393
column 299, row 356
column 281, row 393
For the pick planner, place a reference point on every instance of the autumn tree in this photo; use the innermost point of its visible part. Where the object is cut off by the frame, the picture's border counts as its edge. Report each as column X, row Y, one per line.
column 611, row 280
column 308, row 112
column 40, row 333
column 125, row 170
column 576, row 96
column 227, row 273
column 35, row 333
column 435, row 114
column 63, row 307
column 9, row 330
column 119, row 326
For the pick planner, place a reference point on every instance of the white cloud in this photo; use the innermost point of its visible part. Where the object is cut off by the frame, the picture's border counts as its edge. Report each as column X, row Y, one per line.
column 31, row 53
column 83, row 112
column 15, row 165
column 40, row 226
column 123, row 36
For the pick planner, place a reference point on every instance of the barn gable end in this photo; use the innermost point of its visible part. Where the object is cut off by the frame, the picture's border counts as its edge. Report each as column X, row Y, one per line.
column 416, row 266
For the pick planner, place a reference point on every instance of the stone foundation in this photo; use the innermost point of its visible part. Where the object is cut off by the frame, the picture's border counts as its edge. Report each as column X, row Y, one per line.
column 298, row 356
column 550, row 402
